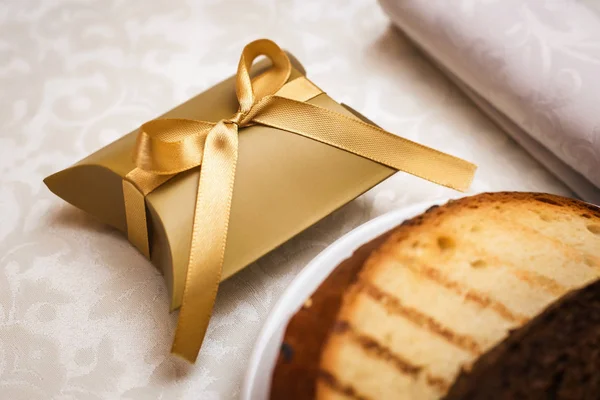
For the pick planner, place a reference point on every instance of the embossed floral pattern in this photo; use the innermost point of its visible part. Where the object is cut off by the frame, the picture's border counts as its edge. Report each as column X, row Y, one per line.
column 82, row 314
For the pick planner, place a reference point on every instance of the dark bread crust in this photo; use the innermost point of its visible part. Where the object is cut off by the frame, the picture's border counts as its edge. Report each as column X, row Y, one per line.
column 581, row 208
column 308, row 331
column 555, row 356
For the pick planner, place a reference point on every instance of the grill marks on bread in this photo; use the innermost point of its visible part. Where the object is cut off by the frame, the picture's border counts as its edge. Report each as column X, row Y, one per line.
column 477, row 252
column 371, row 345
column 347, row 391
column 378, row 350
column 481, row 299
column 395, row 306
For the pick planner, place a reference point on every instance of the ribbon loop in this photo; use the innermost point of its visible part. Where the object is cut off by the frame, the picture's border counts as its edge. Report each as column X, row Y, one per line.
column 170, row 146
column 166, row 147
column 251, row 91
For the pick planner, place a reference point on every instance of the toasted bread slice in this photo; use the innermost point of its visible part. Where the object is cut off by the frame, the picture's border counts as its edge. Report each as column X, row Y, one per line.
column 449, row 285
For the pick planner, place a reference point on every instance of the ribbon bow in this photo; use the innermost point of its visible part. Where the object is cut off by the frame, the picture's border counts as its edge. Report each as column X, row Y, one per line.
column 166, row 147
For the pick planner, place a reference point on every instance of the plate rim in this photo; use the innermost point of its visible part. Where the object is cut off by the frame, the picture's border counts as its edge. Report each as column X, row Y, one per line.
column 279, row 312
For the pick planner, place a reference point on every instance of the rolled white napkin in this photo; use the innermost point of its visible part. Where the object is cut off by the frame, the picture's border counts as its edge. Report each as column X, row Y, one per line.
column 532, row 66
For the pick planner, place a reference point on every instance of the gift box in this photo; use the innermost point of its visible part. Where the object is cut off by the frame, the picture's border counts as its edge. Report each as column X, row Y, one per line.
column 222, row 179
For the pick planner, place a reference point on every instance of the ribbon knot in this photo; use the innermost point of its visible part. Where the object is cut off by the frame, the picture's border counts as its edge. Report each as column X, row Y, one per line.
column 166, row 147
column 236, row 119
column 240, row 119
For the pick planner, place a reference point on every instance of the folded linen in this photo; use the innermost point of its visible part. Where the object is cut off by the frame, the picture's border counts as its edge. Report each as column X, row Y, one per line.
column 532, row 66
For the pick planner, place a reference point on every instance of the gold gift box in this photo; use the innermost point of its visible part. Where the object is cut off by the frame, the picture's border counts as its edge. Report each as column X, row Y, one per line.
column 284, row 183
column 224, row 178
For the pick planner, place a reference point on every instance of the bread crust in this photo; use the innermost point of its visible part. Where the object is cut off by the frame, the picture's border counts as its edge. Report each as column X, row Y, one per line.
column 362, row 355
column 372, row 371
column 297, row 368
column 567, row 334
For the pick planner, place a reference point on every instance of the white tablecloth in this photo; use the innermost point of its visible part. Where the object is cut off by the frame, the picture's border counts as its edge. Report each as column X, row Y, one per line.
column 82, row 313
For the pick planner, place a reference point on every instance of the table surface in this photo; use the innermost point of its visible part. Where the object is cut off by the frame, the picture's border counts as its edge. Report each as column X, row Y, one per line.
column 82, row 313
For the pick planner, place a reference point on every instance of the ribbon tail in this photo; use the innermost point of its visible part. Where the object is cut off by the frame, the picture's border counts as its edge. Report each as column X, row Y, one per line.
column 358, row 137
column 209, row 236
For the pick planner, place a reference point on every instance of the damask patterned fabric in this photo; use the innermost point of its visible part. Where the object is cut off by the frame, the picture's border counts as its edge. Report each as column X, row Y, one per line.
column 82, row 314
column 532, row 66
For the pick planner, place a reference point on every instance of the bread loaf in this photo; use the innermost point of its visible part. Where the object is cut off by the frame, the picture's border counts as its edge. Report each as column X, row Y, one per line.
column 449, row 285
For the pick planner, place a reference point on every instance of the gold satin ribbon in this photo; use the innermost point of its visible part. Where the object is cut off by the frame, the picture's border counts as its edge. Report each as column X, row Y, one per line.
column 166, row 147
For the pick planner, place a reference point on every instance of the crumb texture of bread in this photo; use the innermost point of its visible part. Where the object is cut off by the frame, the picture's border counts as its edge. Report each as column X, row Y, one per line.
column 449, row 285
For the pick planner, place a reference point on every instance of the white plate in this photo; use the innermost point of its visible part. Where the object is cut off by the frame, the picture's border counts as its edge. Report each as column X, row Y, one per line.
column 257, row 381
